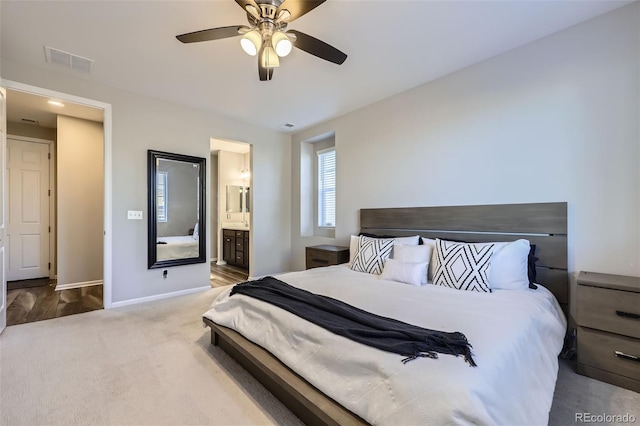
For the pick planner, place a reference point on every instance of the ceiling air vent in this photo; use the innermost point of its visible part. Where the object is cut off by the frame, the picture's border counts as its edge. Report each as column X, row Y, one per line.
column 68, row 60
column 287, row 126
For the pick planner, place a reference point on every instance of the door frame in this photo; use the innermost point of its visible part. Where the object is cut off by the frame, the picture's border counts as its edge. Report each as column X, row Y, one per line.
column 52, row 197
column 108, row 173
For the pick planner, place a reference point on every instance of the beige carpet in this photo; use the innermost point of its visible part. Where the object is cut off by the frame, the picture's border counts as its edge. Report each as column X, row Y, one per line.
column 152, row 364
column 149, row 364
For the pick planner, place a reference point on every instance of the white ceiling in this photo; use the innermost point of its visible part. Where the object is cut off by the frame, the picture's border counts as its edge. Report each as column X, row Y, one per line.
column 392, row 46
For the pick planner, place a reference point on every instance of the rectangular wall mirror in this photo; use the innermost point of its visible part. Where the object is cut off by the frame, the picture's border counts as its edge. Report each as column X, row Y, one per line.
column 237, row 199
column 176, row 191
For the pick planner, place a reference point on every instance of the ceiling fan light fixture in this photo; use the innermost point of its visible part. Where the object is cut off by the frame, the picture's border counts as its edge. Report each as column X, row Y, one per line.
column 281, row 43
column 269, row 57
column 251, row 42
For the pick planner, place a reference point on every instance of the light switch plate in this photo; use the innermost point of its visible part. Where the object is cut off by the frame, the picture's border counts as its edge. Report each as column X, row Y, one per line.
column 134, row 214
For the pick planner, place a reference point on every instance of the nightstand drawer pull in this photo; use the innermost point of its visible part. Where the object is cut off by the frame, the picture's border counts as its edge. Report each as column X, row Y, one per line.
column 627, row 356
column 627, row 315
column 320, row 260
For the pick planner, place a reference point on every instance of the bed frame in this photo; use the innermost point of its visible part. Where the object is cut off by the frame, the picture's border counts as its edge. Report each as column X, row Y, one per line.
column 544, row 224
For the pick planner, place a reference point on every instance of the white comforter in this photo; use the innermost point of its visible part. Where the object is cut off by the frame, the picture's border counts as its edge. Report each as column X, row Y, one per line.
column 180, row 247
column 516, row 338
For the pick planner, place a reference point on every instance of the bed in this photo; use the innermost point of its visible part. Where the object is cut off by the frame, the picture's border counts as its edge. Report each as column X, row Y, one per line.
column 328, row 379
column 177, row 247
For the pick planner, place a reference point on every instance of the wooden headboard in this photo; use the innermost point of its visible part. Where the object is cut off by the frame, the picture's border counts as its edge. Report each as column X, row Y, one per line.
column 543, row 224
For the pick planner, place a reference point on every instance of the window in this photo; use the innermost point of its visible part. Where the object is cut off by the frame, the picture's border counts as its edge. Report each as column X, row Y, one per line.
column 327, row 188
column 161, row 196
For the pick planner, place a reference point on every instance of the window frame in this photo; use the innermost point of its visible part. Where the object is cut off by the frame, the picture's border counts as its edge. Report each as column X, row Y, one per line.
column 321, row 191
column 162, row 178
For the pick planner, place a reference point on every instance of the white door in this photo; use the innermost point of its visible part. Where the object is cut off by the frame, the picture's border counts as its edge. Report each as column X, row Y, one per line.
column 3, row 280
column 28, row 204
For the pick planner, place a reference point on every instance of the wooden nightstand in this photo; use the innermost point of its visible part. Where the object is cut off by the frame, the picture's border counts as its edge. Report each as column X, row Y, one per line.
column 608, row 317
column 325, row 255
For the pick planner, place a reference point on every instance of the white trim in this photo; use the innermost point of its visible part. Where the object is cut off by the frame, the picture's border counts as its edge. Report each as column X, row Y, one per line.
column 108, row 173
column 213, row 259
column 325, row 150
column 159, row 296
column 28, row 139
column 221, row 262
column 60, row 287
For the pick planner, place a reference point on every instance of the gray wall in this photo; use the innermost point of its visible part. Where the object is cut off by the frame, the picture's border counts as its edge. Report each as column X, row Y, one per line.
column 141, row 123
column 80, row 196
column 555, row 120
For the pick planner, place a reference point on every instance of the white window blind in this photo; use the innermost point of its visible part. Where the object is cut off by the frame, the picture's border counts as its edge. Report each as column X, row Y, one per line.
column 327, row 188
column 161, row 196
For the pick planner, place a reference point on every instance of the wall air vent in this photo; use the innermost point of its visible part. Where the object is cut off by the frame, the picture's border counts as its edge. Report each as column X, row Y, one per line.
column 68, row 60
column 29, row 121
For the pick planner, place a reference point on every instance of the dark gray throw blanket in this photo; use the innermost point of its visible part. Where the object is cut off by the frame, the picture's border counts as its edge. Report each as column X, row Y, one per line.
column 353, row 323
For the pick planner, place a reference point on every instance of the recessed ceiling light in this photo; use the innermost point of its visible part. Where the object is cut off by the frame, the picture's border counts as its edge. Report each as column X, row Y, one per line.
column 56, row 103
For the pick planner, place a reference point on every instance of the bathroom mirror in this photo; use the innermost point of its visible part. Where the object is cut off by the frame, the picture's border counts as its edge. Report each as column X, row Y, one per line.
column 234, row 199
column 176, row 209
column 237, row 199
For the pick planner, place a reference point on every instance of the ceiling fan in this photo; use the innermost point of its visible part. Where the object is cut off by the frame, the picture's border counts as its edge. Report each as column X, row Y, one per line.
column 267, row 35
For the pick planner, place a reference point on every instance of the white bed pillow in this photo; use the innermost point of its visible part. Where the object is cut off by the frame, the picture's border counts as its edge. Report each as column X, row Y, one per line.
column 462, row 266
column 509, row 266
column 406, row 241
column 353, row 247
column 195, row 232
column 371, row 254
column 404, row 272
column 431, row 243
column 414, row 254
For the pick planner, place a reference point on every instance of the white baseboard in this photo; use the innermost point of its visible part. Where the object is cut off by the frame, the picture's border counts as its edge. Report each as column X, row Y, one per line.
column 158, row 297
column 213, row 259
column 78, row 285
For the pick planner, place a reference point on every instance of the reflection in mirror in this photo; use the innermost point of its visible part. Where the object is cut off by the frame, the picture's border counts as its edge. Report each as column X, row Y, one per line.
column 176, row 207
column 237, row 199
column 234, row 199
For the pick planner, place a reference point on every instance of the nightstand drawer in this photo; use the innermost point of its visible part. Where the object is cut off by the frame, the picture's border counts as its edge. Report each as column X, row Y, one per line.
column 609, row 310
column 609, row 352
column 319, row 256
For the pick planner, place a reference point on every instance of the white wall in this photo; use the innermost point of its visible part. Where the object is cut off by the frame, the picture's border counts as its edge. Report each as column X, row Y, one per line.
column 555, row 120
column 141, row 123
column 80, row 201
column 29, row 130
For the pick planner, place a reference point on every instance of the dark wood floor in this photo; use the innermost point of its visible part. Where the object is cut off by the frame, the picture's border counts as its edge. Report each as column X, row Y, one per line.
column 36, row 300
column 222, row 275
column 28, row 304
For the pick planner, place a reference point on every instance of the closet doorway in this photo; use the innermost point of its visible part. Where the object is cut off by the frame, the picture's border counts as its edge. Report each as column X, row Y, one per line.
column 51, row 221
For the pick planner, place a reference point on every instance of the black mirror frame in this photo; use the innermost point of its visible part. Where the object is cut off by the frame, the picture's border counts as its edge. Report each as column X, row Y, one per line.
column 152, row 251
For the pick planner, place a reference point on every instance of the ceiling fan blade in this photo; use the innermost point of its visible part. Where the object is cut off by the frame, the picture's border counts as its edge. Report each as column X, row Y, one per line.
column 212, row 34
column 318, row 48
column 253, row 10
column 297, row 8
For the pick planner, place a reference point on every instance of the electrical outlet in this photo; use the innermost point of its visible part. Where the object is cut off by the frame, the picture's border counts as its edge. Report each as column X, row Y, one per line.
column 134, row 214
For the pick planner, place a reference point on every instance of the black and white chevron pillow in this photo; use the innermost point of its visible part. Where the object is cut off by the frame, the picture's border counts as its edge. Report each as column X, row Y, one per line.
column 462, row 266
column 371, row 254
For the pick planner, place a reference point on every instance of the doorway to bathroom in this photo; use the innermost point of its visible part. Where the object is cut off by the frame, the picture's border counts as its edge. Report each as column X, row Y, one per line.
column 231, row 212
